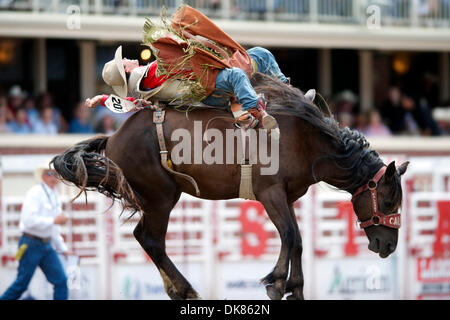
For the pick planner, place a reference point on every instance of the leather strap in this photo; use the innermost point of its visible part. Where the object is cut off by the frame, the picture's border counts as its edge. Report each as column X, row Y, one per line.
column 246, row 184
column 246, row 187
column 158, row 120
column 375, row 180
column 378, row 218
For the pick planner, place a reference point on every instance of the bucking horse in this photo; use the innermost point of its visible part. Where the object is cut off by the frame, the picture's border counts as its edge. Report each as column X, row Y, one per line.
column 127, row 167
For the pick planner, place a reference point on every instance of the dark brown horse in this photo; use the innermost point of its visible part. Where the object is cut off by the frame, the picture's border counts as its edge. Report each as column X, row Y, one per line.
column 312, row 148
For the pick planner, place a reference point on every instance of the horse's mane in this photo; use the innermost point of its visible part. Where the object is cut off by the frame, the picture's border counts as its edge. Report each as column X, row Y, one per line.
column 285, row 100
column 353, row 153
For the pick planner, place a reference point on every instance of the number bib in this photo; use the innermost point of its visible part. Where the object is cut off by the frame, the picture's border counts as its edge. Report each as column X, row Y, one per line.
column 119, row 105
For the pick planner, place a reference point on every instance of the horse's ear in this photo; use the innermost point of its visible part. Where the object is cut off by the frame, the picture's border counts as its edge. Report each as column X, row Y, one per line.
column 402, row 169
column 390, row 170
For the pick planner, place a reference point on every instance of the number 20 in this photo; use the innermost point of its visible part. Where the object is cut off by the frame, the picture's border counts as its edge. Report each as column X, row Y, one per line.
column 116, row 103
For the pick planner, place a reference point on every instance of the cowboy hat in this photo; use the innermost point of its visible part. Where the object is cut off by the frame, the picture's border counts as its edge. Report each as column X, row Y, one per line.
column 40, row 169
column 114, row 74
column 16, row 92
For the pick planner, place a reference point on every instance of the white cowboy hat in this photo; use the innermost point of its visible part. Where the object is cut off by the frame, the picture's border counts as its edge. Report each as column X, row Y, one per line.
column 347, row 95
column 16, row 92
column 40, row 169
column 114, row 74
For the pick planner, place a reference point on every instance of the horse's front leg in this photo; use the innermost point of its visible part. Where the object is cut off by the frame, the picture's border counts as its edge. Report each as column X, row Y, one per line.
column 150, row 233
column 296, row 280
column 275, row 202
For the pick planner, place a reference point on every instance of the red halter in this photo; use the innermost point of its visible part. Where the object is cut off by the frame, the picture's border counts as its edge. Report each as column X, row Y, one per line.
column 378, row 218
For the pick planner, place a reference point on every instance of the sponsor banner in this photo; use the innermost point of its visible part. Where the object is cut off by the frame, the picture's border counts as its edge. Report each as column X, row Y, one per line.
column 240, row 280
column 433, row 278
column 356, row 278
column 82, row 282
column 143, row 281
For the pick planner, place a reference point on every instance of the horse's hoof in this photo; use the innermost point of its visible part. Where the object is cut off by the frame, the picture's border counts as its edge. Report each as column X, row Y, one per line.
column 292, row 297
column 274, row 293
column 193, row 296
column 174, row 296
column 297, row 294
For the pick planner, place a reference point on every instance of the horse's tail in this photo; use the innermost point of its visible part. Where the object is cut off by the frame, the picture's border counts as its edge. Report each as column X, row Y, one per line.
column 86, row 167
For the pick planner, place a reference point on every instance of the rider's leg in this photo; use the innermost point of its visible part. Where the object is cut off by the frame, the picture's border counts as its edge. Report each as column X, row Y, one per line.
column 266, row 63
column 222, row 97
column 234, row 80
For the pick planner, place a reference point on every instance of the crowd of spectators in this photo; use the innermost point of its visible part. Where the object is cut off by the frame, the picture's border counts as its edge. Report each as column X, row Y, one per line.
column 21, row 113
column 400, row 114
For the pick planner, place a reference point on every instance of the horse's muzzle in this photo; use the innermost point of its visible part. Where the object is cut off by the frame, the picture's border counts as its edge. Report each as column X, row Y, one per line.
column 383, row 248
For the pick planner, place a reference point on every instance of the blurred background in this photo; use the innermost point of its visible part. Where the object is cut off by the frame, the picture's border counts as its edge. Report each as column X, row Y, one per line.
column 384, row 68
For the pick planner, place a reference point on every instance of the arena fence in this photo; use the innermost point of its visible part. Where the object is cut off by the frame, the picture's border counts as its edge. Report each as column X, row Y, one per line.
column 224, row 247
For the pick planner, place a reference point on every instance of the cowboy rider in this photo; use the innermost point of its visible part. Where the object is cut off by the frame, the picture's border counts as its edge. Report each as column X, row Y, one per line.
column 141, row 82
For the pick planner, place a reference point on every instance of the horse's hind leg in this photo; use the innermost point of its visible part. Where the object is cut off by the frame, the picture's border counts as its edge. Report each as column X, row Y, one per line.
column 150, row 232
column 275, row 202
column 295, row 281
column 168, row 286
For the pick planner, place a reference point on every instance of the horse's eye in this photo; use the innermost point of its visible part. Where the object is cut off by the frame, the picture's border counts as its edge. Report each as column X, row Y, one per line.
column 388, row 204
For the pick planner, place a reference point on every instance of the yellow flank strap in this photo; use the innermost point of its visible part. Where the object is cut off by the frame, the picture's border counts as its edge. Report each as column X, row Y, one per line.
column 21, row 251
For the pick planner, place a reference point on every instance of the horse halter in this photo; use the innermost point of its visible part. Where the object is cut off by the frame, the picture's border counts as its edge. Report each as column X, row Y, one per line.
column 378, row 218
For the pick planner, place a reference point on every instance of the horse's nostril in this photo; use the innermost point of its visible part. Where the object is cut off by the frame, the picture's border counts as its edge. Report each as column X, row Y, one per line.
column 374, row 245
column 391, row 247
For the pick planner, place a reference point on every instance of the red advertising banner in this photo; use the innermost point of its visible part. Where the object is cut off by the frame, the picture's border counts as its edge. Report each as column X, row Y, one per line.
column 443, row 229
column 433, row 277
column 345, row 211
column 433, row 270
column 254, row 236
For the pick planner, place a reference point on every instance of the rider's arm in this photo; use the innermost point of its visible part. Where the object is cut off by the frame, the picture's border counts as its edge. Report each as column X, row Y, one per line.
column 100, row 101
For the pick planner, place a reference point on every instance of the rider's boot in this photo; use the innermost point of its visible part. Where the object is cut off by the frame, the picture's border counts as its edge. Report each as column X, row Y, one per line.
column 243, row 118
column 259, row 112
column 310, row 95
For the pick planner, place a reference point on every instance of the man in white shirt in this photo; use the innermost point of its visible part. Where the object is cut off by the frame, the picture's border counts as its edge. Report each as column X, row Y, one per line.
column 40, row 222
